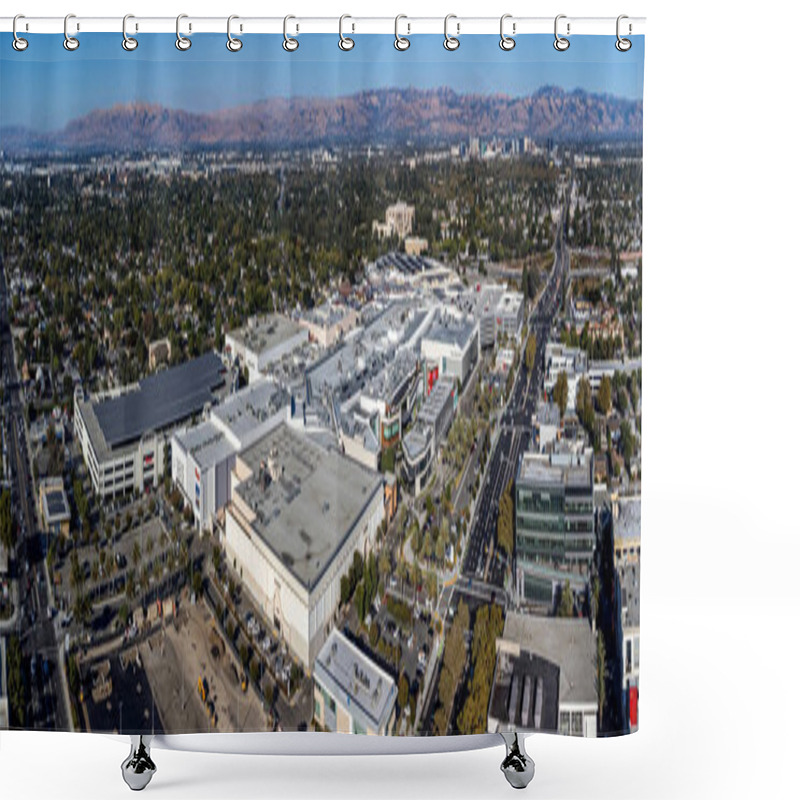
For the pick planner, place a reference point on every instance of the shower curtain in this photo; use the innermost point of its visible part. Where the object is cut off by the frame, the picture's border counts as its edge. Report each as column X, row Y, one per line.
column 322, row 367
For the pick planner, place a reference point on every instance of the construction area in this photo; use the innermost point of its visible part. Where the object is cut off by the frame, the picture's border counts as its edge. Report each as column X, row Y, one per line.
column 181, row 677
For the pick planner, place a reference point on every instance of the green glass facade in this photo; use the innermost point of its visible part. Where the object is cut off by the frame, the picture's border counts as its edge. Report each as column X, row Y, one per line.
column 554, row 535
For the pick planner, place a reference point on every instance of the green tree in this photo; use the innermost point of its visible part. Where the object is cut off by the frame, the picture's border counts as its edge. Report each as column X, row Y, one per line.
column 561, row 393
column 505, row 520
column 359, row 599
column 566, row 605
column 488, row 626
column 604, row 394
column 627, row 442
column 530, row 352
column 601, row 676
column 8, row 526
column 344, row 589
column 402, row 691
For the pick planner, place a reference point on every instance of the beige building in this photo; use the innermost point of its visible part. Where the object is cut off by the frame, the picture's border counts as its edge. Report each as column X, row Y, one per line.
column 399, row 221
column 299, row 510
column 158, row 352
column 352, row 694
column 416, row 245
column 328, row 323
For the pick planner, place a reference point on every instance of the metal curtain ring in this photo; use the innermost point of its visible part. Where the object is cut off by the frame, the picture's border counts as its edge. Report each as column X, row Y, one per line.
column 70, row 42
column 400, row 42
column 507, row 42
column 128, row 42
column 451, row 42
column 561, row 44
column 18, row 43
column 181, row 41
column 623, row 45
column 345, row 42
column 290, row 44
column 233, row 44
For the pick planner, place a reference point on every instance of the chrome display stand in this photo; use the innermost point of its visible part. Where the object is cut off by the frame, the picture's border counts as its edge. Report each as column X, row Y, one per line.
column 138, row 768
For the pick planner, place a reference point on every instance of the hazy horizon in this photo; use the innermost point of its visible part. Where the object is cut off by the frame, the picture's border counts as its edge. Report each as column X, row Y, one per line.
column 46, row 87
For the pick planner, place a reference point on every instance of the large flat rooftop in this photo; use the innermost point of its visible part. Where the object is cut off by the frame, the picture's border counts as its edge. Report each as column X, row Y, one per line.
column 567, row 643
column 525, row 692
column 250, row 407
column 539, row 469
column 355, row 681
column 360, row 358
column 441, row 393
column 307, row 513
column 452, row 332
column 206, row 443
column 629, row 581
column 55, row 505
column 628, row 524
column 264, row 333
column 156, row 402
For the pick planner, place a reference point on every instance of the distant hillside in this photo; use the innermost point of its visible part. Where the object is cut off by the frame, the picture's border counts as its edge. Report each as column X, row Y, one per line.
column 377, row 116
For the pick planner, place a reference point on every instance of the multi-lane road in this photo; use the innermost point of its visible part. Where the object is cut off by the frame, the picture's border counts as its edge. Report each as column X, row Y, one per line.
column 483, row 563
column 49, row 707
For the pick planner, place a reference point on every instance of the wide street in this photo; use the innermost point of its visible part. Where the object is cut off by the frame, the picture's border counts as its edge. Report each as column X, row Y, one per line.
column 49, row 706
column 482, row 560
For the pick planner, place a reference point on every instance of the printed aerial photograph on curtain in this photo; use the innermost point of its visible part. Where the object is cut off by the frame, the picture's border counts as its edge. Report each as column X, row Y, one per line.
column 321, row 386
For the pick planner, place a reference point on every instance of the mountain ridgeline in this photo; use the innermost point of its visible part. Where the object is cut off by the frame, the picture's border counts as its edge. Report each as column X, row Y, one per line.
column 376, row 116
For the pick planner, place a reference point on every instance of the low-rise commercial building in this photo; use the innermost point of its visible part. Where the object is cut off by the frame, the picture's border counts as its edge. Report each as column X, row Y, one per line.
column 299, row 510
column 159, row 352
column 329, row 323
column 509, row 315
column 54, row 506
column 452, row 346
column 123, row 433
column 263, row 341
column 415, row 245
column 358, row 437
column 572, row 361
column 544, row 677
column 204, row 455
column 627, row 522
column 352, row 694
column 422, row 442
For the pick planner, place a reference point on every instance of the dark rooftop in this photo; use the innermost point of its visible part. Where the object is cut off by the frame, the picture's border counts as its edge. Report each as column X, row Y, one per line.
column 160, row 400
column 525, row 692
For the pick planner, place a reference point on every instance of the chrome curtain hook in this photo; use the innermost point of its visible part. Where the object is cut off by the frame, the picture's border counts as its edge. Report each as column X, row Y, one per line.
column 70, row 42
column 128, row 42
column 507, row 42
column 290, row 44
column 561, row 44
column 181, row 41
column 623, row 45
column 400, row 42
column 18, row 43
column 233, row 44
column 345, row 42
column 451, row 42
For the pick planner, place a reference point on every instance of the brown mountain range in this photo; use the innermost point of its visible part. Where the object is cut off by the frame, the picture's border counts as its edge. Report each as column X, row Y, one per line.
column 383, row 115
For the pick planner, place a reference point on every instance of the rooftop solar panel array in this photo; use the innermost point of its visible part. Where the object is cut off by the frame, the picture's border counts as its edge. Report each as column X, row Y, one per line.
column 161, row 400
column 409, row 265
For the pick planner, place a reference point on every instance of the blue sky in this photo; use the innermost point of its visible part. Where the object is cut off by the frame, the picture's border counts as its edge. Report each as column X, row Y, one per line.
column 46, row 86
